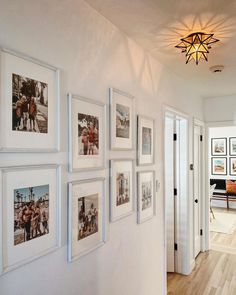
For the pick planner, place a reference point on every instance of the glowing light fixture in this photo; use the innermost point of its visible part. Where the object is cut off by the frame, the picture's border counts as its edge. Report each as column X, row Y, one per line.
column 196, row 46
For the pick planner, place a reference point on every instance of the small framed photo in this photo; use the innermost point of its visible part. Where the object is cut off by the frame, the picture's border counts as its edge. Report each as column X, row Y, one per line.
column 232, row 146
column 30, row 203
column 30, row 105
column 121, row 120
column 219, row 146
column 86, row 133
column 146, row 195
column 232, row 164
column 121, row 188
column 145, row 141
column 87, row 224
column 219, row 166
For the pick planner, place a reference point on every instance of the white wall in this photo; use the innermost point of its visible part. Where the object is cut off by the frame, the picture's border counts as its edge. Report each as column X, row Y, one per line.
column 219, row 109
column 93, row 55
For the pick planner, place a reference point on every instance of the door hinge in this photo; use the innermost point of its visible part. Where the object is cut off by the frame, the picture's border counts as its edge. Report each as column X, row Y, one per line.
column 176, row 247
column 175, row 137
column 175, row 192
column 191, row 167
column 201, row 232
column 201, row 138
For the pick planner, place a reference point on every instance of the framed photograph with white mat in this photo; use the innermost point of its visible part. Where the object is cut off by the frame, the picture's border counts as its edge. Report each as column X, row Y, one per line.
column 86, row 218
column 145, row 140
column 29, row 104
column 121, row 188
column 232, row 165
column 219, row 166
column 232, row 146
column 87, row 134
column 122, row 115
column 146, row 195
column 30, row 221
column 219, row 146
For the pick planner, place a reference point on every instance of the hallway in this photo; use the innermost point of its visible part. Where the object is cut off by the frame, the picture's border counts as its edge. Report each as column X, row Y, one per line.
column 214, row 274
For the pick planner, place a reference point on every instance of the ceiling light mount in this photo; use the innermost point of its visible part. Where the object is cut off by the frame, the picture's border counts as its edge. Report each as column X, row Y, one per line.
column 196, row 46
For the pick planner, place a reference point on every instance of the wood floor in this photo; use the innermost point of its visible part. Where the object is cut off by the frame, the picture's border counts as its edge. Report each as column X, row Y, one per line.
column 214, row 274
column 223, row 241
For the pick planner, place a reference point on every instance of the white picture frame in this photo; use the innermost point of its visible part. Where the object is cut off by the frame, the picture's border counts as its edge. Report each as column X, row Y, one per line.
column 22, row 238
column 121, row 188
column 145, row 140
column 86, row 192
column 122, row 109
column 29, row 104
column 81, row 110
column 146, row 204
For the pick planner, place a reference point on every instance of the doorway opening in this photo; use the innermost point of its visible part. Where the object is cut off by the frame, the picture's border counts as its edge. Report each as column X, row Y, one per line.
column 222, row 188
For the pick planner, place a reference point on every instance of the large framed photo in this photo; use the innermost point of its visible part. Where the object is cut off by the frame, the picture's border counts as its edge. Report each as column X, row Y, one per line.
column 121, row 189
column 232, row 146
column 232, row 164
column 219, row 166
column 219, row 146
column 87, row 224
column 87, row 133
column 29, row 105
column 30, row 202
column 146, row 195
column 145, row 140
column 121, row 120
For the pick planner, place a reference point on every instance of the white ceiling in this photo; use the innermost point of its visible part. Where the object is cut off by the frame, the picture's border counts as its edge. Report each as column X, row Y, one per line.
column 157, row 25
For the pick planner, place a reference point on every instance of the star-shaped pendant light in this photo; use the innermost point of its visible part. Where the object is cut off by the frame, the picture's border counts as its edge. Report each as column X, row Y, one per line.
column 196, row 46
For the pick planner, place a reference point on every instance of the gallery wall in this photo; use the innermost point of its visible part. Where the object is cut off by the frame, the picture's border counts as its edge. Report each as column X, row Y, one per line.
column 93, row 55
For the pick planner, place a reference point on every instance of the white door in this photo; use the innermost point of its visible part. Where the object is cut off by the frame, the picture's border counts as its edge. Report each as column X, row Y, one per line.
column 197, row 188
column 169, row 194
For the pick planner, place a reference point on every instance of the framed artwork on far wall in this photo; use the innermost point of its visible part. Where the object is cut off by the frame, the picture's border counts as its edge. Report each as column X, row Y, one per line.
column 122, row 125
column 30, row 221
column 146, row 195
column 145, row 142
column 121, row 188
column 87, row 219
column 232, row 146
column 232, row 166
column 86, row 133
column 219, row 146
column 219, row 166
column 30, row 105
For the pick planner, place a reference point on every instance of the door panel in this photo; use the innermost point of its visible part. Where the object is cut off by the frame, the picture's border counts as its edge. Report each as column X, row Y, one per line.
column 197, row 189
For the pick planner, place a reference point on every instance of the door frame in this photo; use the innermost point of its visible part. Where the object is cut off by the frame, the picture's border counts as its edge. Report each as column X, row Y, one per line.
column 209, row 125
column 203, row 217
column 186, row 267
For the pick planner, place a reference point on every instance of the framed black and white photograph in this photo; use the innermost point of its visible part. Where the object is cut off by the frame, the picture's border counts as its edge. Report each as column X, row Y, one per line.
column 30, row 105
column 122, row 114
column 219, row 166
column 87, row 134
column 87, row 220
column 232, row 165
column 146, row 195
column 219, row 146
column 145, row 142
column 232, row 146
column 30, row 203
column 121, row 188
